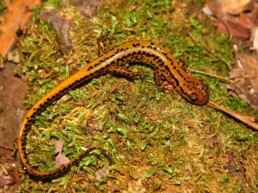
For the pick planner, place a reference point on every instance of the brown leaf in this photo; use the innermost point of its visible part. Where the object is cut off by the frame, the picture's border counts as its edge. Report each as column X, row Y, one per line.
column 233, row 7
column 59, row 146
column 245, row 79
column 254, row 39
column 7, row 181
column 17, row 17
column 102, row 173
column 61, row 160
column 234, row 17
column 233, row 29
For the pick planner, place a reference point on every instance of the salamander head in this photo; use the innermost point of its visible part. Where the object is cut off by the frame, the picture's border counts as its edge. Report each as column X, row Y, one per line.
column 197, row 93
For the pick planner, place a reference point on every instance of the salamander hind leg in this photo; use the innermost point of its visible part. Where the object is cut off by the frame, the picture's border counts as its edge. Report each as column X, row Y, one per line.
column 121, row 71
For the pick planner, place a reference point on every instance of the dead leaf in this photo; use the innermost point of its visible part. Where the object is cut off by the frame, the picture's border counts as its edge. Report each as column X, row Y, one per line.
column 8, row 180
column 60, row 158
column 232, row 7
column 59, row 146
column 234, row 29
column 254, row 39
column 245, row 79
column 17, row 17
column 102, row 173
column 234, row 17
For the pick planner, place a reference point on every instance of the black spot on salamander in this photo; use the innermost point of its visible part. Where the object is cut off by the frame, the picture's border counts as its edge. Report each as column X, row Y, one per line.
column 77, row 82
column 95, row 65
column 189, row 82
column 148, row 54
column 91, row 67
column 49, row 99
column 27, row 126
column 136, row 44
column 139, row 53
column 42, row 105
column 134, row 54
column 129, row 55
column 179, row 72
column 31, row 119
column 119, row 61
column 23, row 144
column 160, row 64
column 113, row 63
column 171, row 60
column 124, row 58
column 64, row 91
column 117, row 50
column 156, row 57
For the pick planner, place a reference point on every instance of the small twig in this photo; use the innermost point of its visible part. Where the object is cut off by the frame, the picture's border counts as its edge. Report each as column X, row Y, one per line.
column 248, row 120
column 223, row 60
column 211, row 75
column 5, row 147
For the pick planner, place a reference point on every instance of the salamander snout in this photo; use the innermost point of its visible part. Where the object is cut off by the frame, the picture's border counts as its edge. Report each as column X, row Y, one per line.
column 199, row 94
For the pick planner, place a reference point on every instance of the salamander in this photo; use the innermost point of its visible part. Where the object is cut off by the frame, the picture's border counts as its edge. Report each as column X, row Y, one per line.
column 140, row 52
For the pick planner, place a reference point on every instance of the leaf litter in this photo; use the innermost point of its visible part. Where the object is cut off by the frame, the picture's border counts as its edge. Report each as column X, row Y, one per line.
column 17, row 17
column 238, row 18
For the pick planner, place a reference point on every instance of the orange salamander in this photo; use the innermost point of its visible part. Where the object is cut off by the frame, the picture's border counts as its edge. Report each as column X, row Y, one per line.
column 141, row 51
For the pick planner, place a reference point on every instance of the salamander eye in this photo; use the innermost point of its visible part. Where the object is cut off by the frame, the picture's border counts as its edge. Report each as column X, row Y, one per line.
column 192, row 96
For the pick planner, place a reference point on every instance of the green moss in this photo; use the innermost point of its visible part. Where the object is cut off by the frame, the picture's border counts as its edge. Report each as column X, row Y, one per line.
column 2, row 7
column 156, row 140
column 53, row 3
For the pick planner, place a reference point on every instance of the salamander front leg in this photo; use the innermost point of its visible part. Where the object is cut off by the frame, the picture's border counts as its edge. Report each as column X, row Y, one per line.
column 103, row 45
column 159, row 79
column 120, row 71
column 162, row 82
column 181, row 62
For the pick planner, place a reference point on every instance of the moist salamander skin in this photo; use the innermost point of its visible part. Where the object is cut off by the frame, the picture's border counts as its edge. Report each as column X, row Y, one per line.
column 113, row 62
